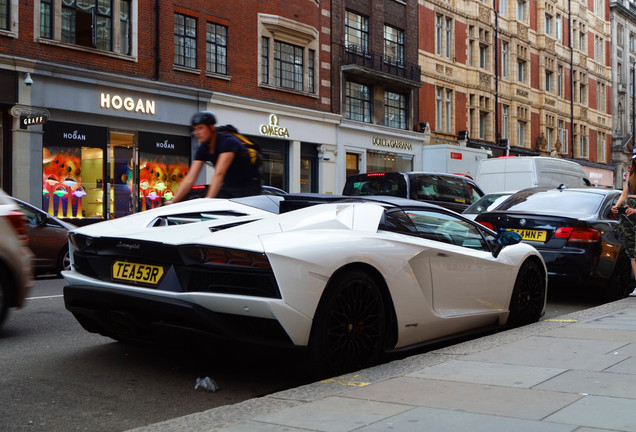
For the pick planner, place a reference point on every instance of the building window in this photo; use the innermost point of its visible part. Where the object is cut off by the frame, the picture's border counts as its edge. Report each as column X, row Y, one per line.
column 600, row 148
column 185, row 41
column 503, row 5
column 443, row 110
column 483, row 56
column 563, row 137
column 288, row 54
column 600, row 96
column 483, row 117
column 505, row 59
column 356, row 32
column 395, row 110
column 560, row 81
column 216, row 48
column 521, row 71
column 598, row 48
column 631, row 42
column 358, row 102
column 443, row 36
column 582, row 34
column 584, row 145
column 598, row 8
column 548, row 81
column 521, row 133
column 582, row 93
column 46, row 19
column 393, row 45
column 448, row 108
column 125, row 25
column 521, row 10
column 5, row 14
column 471, row 46
column 620, row 30
column 559, row 28
column 548, row 24
column 505, row 121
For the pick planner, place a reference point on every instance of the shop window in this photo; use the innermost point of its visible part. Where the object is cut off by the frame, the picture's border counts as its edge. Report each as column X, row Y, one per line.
column 287, row 54
column 382, row 162
column 353, row 164
column 105, row 25
column 185, row 41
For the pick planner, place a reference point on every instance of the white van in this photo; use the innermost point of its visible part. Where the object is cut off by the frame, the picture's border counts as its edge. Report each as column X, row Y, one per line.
column 520, row 172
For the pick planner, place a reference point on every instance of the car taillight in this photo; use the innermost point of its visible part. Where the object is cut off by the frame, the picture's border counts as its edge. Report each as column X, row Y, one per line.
column 379, row 174
column 487, row 225
column 578, row 234
column 19, row 223
column 232, row 257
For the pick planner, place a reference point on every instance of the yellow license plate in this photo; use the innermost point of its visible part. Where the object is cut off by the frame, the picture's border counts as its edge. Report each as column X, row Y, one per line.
column 534, row 235
column 134, row 272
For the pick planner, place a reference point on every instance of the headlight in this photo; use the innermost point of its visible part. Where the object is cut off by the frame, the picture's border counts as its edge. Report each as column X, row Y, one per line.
column 80, row 241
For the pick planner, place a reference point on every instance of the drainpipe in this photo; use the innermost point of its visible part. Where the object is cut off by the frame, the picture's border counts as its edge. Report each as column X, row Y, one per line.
column 157, row 39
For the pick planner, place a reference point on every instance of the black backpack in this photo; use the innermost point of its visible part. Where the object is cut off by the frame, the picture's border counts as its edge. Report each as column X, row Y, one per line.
column 252, row 149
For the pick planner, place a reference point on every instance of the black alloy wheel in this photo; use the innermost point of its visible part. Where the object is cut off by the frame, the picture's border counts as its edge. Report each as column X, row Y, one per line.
column 528, row 295
column 349, row 327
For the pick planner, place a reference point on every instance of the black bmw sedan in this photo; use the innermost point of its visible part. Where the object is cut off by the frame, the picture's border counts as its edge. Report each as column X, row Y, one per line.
column 575, row 232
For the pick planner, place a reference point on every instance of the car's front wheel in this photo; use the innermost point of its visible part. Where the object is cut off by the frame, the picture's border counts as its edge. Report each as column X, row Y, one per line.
column 349, row 327
column 528, row 295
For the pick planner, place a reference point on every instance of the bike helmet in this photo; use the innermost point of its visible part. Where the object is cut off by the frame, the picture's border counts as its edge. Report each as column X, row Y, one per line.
column 203, row 117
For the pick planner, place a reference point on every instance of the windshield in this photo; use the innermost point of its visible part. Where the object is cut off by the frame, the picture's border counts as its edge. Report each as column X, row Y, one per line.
column 433, row 187
column 392, row 184
column 565, row 202
column 486, row 203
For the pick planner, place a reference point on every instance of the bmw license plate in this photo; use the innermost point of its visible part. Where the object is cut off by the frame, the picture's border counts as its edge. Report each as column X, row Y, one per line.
column 140, row 273
column 534, row 235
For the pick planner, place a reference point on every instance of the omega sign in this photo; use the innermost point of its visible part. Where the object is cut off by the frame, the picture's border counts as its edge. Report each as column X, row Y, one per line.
column 391, row 143
column 116, row 102
column 273, row 128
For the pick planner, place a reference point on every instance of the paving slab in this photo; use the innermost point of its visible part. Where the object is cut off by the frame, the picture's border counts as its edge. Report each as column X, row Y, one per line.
column 593, row 383
column 627, row 366
column 460, row 396
column 439, row 420
column 616, row 414
column 552, row 352
column 488, row 373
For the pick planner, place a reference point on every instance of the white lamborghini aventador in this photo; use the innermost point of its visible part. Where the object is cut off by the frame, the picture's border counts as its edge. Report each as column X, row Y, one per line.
column 346, row 278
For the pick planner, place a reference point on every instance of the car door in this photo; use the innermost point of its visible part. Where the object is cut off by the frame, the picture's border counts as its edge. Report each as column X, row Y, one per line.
column 466, row 278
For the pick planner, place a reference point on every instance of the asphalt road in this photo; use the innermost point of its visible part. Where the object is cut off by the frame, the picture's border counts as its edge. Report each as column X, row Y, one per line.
column 58, row 377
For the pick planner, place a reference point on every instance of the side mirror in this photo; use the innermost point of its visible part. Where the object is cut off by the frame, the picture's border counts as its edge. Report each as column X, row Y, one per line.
column 41, row 219
column 506, row 238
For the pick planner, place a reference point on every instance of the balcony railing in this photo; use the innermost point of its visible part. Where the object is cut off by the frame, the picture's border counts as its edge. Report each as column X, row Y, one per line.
column 354, row 55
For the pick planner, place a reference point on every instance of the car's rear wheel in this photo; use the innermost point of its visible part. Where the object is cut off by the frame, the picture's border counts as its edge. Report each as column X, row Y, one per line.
column 349, row 326
column 528, row 295
column 620, row 284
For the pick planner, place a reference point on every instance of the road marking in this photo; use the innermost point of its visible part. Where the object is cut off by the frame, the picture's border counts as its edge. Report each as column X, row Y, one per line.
column 561, row 320
column 44, row 297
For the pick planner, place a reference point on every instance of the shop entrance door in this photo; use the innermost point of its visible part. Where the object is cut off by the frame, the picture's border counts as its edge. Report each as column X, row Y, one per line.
column 121, row 166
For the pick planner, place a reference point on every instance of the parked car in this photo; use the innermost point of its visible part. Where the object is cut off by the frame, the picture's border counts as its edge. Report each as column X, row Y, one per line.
column 47, row 239
column 343, row 278
column 520, row 172
column 199, row 191
column 575, row 232
column 455, row 192
column 16, row 277
column 486, row 203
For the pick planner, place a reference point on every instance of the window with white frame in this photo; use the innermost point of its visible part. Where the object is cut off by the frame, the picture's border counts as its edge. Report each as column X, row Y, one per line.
column 5, row 15
column 395, row 110
column 559, row 80
column 599, row 45
column 505, row 121
column 505, row 59
column 216, row 48
column 584, row 149
column 483, row 119
column 600, row 96
column 563, row 137
column 106, row 25
column 185, row 41
column 443, row 110
column 620, row 34
column 443, row 36
column 288, row 54
column 601, row 150
column 358, row 102
column 582, row 37
column 548, row 81
column 356, row 32
column 521, row 10
column 598, row 9
column 448, row 111
column 472, row 43
column 521, row 133
column 549, row 137
column 559, row 28
column 548, row 24
column 503, row 6
column 582, row 92
column 393, row 45
column 439, row 109
column 9, row 17
column 521, row 70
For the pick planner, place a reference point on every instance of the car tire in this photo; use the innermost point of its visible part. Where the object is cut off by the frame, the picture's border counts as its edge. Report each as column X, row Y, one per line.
column 350, row 325
column 4, row 295
column 528, row 295
column 63, row 261
column 620, row 284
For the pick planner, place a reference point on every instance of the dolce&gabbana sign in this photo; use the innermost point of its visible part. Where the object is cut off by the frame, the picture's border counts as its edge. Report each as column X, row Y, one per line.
column 391, row 143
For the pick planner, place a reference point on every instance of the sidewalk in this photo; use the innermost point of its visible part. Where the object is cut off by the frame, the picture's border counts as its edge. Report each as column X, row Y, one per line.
column 574, row 373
